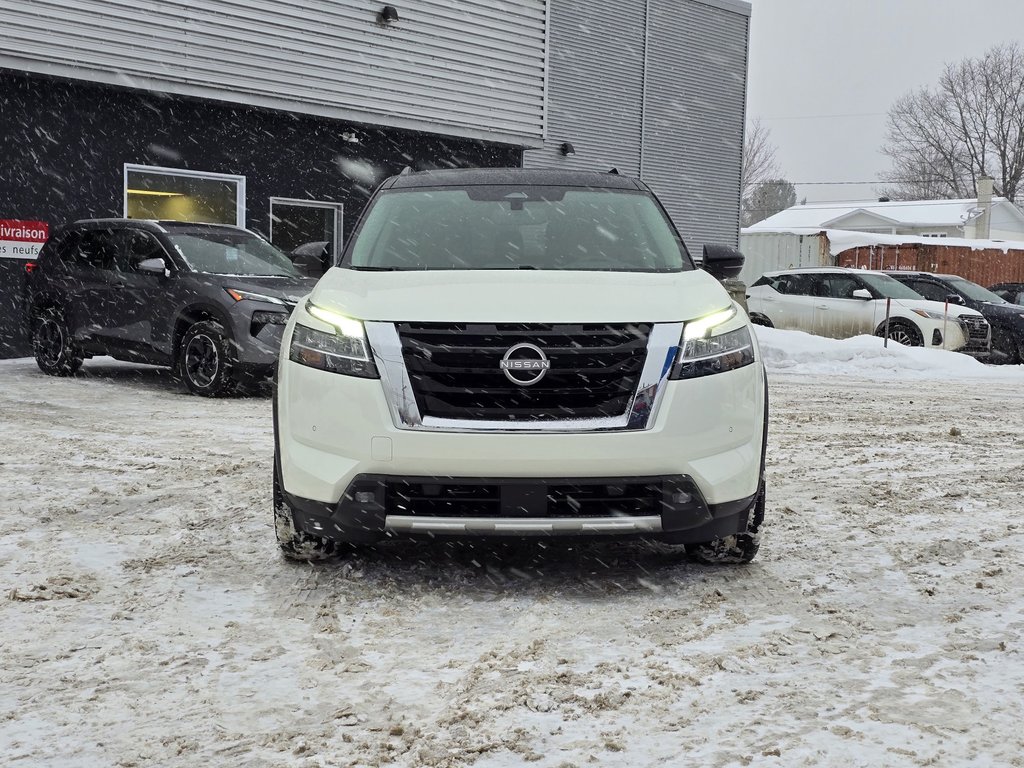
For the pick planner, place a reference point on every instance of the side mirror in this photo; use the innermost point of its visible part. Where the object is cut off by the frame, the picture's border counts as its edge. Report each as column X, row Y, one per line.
column 153, row 267
column 722, row 262
column 955, row 298
column 862, row 293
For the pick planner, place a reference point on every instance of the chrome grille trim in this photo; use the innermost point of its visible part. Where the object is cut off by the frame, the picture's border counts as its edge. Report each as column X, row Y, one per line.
column 662, row 347
column 522, row 525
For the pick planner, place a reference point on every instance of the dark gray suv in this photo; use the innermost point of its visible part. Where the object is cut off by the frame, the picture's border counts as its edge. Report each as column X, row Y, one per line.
column 207, row 299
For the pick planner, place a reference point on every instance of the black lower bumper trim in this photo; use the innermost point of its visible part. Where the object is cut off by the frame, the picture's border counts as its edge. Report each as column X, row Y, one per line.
column 360, row 515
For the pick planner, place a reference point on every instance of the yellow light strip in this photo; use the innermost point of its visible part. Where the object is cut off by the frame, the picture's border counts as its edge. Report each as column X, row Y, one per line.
column 155, row 193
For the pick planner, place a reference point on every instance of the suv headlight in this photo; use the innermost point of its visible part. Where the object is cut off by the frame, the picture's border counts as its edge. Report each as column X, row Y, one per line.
column 344, row 351
column 932, row 315
column 705, row 350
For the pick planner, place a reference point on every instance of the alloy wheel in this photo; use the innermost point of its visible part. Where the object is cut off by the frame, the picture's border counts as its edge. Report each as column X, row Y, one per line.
column 202, row 360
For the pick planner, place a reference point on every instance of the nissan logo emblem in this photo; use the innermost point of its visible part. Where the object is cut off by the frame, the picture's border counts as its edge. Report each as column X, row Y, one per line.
column 525, row 364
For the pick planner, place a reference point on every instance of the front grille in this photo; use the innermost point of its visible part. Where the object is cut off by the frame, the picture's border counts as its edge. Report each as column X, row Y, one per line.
column 524, row 498
column 977, row 327
column 455, row 370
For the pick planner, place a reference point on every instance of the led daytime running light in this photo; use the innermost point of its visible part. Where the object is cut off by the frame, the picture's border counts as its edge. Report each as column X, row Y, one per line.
column 346, row 326
column 696, row 329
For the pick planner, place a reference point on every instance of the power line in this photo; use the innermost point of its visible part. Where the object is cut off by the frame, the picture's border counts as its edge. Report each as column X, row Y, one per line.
column 825, row 117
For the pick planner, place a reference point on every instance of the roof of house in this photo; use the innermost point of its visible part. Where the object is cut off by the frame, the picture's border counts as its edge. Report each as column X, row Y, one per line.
column 907, row 213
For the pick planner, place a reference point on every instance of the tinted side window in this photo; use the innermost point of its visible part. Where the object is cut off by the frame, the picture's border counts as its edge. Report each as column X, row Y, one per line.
column 841, row 286
column 930, row 290
column 795, row 285
column 138, row 246
column 95, row 249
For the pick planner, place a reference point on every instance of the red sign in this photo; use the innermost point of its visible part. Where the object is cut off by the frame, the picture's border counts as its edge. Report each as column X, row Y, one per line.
column 23, row 231
column 21, row 238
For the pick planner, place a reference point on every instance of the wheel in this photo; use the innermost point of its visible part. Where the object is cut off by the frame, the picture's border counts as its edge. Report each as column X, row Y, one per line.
column 757, row 319
column 51, row 343
column 738, row 548
column 206, row 360
column 295, row 544
column 903, row 333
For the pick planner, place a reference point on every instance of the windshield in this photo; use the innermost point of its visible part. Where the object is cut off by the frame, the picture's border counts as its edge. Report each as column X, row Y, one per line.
column 230, row 252
column 890, row 288
column 510, row 227
column 974, row 291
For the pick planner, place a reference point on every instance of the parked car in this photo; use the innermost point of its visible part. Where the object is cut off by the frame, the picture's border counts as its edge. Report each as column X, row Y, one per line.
column 520, row 353
column 1011, row 292
column 839, row 303
column 1006, row 319
column 312, row 258
column 209, row 300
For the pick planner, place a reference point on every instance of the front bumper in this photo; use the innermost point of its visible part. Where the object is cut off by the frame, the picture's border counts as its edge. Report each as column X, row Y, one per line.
column 334, row 427
column 375, row 506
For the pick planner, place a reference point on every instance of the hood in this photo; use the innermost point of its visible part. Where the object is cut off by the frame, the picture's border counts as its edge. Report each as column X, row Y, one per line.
column 291, row 289
column 955, row 310
column 1004, row 314
column 520, row 296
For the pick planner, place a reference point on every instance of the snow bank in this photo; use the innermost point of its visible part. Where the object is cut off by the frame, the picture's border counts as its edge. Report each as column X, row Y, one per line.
column 798, row 352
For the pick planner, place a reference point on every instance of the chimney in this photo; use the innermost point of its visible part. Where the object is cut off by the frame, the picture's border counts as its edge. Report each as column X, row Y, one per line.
column 983, row 224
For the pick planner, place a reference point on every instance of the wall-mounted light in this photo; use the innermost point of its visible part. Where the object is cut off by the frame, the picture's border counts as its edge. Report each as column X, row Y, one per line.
column 350, row 136
column 388, row 14
column 567, row 149
column 155, row 193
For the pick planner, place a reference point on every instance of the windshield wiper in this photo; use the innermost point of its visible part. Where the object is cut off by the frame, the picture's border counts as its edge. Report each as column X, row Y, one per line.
column 377, row 269
column 494, row 269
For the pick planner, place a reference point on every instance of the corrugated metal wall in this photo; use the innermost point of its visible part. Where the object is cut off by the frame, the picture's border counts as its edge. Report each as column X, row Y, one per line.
column 693, row 124
column 655, row 88
column 471, row 68
column 595, row 86
column 768, row 251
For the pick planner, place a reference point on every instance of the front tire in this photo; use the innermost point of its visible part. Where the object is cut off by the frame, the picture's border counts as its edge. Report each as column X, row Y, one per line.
column 206, row 360
column 52, row 346
column 295, row 544
column 737, row 548
column 902, row 332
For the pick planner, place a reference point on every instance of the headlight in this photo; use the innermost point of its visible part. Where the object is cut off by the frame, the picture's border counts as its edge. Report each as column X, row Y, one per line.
column 344, row 351
column 238, row 295
column 704, row 352
column 932, row 315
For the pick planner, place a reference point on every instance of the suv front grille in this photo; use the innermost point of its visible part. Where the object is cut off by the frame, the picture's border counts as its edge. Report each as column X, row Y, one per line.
column 977, row 327
column 455, row 370
column 524, row 498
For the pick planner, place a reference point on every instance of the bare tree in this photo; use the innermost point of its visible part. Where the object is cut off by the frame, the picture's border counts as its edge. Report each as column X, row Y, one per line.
column 758, row 158
column 942, row 140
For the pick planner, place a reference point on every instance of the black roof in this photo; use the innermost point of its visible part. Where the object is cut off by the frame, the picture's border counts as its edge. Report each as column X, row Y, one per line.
column 150, row 225
column 515, row 176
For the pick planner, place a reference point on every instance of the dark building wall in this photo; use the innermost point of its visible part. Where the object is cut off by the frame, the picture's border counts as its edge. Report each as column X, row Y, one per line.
column 65, row 145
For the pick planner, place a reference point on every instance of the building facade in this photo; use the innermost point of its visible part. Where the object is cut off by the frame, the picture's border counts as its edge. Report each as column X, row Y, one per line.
column 283, row 117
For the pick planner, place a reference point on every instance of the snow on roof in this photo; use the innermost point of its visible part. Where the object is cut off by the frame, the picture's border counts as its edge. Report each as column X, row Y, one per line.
column 840, row 240
column 921, row 213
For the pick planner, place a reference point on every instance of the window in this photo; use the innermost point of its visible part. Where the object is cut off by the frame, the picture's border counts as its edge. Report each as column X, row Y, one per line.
column 933, row 234
column 95, row 249
column 173, row 194
column 929, row 290
column 510, row 227
column 840, row 286
column 138, row 246
column 794, row 285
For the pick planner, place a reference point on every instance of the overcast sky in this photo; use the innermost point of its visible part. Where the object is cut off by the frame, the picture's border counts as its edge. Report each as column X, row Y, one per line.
column 823, row 74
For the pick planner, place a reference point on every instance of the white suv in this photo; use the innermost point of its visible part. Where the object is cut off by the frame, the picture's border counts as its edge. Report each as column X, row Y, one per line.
column 514, row 353
column 840, row 303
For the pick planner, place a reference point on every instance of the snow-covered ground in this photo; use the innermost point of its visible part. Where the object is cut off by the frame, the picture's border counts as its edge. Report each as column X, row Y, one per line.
column 146, row 618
